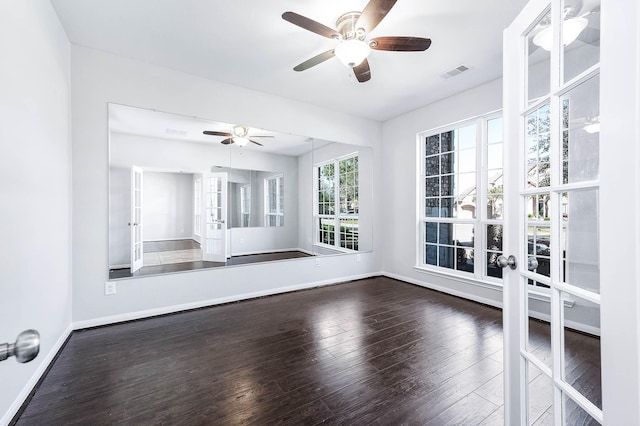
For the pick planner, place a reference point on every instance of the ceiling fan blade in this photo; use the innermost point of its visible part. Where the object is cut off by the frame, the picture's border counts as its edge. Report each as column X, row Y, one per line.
column 310, row 25
column 400, row 44
column 262, row 136
column 318, row 59
column 373, row 13
column 214, row 133
column 362, row 71
column 227, row 141
column 257, row 143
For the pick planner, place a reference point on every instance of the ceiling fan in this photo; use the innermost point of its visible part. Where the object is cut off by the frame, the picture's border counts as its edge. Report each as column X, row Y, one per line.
column 238, row 135
column 352, row 29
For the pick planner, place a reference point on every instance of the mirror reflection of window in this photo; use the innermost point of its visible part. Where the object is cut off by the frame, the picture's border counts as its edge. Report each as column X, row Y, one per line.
column 245, row 206
column 274, row 203
column 338, row 192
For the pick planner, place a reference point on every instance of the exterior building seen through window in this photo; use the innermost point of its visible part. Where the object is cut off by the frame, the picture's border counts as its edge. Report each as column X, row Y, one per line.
column 461, row 206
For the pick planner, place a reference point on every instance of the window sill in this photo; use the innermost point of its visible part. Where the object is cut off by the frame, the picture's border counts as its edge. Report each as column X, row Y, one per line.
column 338, row 250
column 465, row 279
column 535, row 294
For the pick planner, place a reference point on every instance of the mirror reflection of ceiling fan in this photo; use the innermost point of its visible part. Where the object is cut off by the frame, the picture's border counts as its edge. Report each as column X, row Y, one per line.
column 352, row 29
column 238, row 135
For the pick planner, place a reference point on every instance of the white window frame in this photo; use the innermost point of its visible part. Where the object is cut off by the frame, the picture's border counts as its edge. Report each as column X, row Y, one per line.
column 279, row 213
column 245, row 205
column 336, row 217
column 480, row 222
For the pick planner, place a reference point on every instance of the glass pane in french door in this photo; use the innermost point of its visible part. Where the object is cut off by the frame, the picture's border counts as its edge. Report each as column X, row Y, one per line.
column 582, row 367
column 573, row 414
column 580, row 239
column 580, row 36
column 539, row 59
column 539, row 396
column 538, row 145
column 539, row 335
column 581, row 132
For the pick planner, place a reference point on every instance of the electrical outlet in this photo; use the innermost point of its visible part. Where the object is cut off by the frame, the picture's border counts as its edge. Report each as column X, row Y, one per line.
column 317, row 263
column 358, row 257
column 109, row 288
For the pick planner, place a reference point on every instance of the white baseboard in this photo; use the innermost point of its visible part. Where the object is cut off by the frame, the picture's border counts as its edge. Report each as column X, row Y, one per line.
column 496, row 304
column 190, row 237
column 113, row 319
column 123, row 266
column 246, row 253
column 35, row 377
column 461, row 294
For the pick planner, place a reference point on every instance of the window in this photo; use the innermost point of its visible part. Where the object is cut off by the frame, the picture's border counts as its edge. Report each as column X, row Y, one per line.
column 245, row 205
column 456, row 233
column 274, row 201
column 337, row 203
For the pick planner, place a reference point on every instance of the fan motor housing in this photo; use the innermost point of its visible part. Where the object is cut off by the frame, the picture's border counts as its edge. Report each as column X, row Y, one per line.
column 346, row 26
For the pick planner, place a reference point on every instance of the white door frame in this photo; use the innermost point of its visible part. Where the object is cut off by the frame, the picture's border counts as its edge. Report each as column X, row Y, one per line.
column 619, row 220
column 135, row 224
column 620, row 211
column 214, row 230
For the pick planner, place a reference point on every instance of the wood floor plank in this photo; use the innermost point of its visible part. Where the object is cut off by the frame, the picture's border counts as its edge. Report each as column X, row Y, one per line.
column 373, row 352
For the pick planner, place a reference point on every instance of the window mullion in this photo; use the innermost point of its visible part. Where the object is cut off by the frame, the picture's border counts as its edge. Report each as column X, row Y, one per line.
column 481, row 198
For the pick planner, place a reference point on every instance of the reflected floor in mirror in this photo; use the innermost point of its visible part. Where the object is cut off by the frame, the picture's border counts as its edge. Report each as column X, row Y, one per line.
column 162, row 257
column 375, row 351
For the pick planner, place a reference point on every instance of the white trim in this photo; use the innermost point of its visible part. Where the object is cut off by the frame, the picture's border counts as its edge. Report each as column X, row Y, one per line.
column 122, row 266
column 113, row 319
column 540, row 297
column 461, row 294
column 282, row 250
column 460, row 276
column 168, row 239
column 338, row 250
column 36, row 376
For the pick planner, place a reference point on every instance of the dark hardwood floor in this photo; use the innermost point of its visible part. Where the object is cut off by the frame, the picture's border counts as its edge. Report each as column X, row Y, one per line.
column 202, row 264
column 374, row 351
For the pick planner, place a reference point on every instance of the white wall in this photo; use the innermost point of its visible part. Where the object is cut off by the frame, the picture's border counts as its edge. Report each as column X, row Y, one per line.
column 167, row 210
column 99, row 78
column 400, row 153
column 35, row 174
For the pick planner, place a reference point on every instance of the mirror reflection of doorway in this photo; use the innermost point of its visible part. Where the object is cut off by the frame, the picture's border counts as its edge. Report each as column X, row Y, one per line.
column 166, row 252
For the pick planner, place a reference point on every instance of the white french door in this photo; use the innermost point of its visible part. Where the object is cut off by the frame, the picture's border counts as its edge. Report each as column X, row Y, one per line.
column 551, row 119
column 135, row 224
column 197, row 208
column 214, row 240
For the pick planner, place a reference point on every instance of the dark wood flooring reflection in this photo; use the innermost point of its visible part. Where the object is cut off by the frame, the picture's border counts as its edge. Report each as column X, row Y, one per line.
column 374, row 351
column 201, row 264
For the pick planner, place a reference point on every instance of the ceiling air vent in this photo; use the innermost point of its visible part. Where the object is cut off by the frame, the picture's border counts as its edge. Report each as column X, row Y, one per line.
column 457, row 70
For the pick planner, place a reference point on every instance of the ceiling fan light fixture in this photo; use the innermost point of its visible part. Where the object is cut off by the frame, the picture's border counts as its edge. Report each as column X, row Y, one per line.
column 352, row 52
column 240, row 141
column 592, row 126
column 240, row 131
column 571, row 29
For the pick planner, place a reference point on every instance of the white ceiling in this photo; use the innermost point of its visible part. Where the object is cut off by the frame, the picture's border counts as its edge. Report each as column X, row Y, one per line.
column 246, row 43
column 162, row 125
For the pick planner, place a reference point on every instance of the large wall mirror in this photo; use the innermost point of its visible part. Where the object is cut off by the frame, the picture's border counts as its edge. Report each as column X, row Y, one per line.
column 187, row 193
